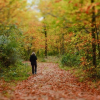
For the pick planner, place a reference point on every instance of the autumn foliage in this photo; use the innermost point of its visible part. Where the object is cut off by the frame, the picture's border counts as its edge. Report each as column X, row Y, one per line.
column 69, row 29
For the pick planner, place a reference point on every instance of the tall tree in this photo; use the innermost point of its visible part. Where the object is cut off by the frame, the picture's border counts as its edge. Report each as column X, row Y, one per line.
column 45, row 32
column 93, row 34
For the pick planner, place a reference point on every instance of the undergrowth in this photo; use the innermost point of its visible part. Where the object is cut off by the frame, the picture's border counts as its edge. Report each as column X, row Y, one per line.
column 16, row 73
column 52, row 59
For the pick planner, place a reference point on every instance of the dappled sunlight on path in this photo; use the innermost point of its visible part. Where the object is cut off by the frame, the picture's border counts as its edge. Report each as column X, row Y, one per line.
column 53, row 83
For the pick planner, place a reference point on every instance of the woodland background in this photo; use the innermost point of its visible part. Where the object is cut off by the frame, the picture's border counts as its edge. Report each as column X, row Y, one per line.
column 67, row 29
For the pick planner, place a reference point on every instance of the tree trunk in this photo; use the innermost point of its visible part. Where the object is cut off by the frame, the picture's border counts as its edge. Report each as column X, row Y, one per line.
column 98, row 43
column 62, row 44
column 98, row 47
column 93, row 35
column 45, row 31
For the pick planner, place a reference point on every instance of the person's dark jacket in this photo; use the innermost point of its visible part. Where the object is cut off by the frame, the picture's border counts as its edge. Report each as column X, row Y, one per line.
column 33, row 59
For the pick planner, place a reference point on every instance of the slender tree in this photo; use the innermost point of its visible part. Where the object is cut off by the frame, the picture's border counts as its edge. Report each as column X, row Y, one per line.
column 45, row 32
column 93, row 34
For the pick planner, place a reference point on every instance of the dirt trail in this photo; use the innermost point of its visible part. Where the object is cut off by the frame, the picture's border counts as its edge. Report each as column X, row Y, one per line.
column 52, row 83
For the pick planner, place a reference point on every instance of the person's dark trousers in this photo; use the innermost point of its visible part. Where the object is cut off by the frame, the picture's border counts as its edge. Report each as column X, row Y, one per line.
column 34, row 68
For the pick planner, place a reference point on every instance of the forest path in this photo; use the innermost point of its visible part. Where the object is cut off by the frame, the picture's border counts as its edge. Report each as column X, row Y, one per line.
column 53, row 83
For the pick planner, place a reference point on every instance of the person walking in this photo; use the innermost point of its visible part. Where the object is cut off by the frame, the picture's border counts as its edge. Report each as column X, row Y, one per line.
column 33, row 61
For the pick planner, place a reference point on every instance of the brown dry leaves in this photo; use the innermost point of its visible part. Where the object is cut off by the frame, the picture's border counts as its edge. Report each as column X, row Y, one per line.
column 53, row 83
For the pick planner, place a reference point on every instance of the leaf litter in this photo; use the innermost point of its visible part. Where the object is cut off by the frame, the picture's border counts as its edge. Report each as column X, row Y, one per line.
column 53, row 83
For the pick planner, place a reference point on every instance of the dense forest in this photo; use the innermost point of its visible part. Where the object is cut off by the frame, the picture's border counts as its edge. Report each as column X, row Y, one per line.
column 65, row 35
column 66, row 28
column 51, row 27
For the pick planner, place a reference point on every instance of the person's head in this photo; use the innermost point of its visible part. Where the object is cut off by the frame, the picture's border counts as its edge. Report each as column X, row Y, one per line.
column 33, row 53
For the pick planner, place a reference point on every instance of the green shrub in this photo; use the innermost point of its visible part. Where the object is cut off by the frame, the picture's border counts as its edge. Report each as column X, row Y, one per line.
column 19, row 72
column 70, row 60
column 9, row 46
column 53, row 53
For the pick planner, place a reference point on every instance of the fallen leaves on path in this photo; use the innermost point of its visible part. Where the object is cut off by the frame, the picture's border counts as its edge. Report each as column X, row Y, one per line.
column 53, row 83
